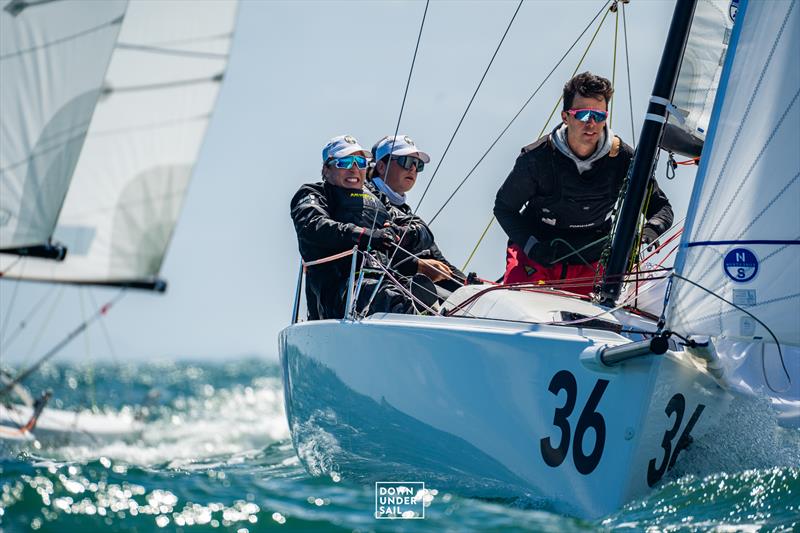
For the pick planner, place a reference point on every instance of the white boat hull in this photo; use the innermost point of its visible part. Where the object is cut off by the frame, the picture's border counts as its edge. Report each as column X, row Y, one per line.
column 490, row 408
column 58, row 427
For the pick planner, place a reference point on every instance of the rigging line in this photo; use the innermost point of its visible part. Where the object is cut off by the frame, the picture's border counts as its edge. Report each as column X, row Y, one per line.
column 469, row 105
column 216, row 78
column 6, row 343
column 396, row 129
column 104, row 328
column 47, row 319
column 743, row 118
column 78, row 35
column 628, row 69
column 519, row 112
column 169, row 51
column 10, row 304
column 89, row 373
column 472, row 254
column 402, row 107
column 66, row 340
column 614, row 66
column 754, row 317
column 11, row 266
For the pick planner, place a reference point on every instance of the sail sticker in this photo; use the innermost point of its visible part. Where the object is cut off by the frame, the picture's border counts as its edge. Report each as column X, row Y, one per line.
column 747, row 326
column 741, row 265
column 744, row 297
column 733, row 8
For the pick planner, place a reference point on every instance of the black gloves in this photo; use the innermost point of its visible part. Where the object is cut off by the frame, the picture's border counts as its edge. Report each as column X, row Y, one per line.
column 545, row 253
column 382, row 239
column 649, row 236
column 414, row 237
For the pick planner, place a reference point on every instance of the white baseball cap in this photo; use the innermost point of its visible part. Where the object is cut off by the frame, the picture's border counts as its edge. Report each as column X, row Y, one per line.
column 341, row 146
column 398, row 145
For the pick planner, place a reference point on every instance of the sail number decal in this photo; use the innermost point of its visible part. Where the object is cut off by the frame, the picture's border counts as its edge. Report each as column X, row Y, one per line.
column 589, row 419
column 676, row 406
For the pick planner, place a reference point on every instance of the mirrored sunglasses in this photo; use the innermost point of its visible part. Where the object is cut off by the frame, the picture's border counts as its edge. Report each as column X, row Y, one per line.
column 584, row 115
column 347, row 162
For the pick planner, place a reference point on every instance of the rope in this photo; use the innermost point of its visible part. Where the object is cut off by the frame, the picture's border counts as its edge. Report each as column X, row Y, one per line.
column 754, row 317
column 66, row 340
column 47, row 320
column 103, row 327
column 514, row 118
column 90, row 370
column 10, row 307
column 24, row 322
column 628, row 69
column 463, row 116
column 402, row 107
column 614, row 65
column 547, row 122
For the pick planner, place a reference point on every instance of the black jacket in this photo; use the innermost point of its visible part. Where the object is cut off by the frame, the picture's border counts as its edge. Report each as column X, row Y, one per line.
column 329, row 220
column 406, row 214
column 546, row 197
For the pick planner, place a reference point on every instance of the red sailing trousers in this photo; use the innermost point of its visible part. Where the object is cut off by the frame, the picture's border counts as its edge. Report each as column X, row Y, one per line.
column 522, row 269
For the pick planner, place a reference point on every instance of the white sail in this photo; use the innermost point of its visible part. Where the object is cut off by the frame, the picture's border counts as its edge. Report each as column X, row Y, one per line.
column 701, row 67
column 53, row 59
column 742, row 236
column 144, row 138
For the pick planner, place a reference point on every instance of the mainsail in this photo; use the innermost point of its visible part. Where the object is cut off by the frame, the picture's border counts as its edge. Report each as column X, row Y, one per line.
column 53, row 59
column 133, row 172
column 699, row 77
column 742, row 236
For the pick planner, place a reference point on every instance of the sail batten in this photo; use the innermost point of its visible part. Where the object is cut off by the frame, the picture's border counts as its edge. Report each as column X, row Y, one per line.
column 145, row 136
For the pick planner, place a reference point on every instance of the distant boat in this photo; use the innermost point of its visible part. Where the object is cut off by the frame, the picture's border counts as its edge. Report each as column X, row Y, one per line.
column 153, row 105
column 532, row 392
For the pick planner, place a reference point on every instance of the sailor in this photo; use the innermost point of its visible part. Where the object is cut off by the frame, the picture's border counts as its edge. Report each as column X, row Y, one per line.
column 336, row 214
column 398, row 160
column 555, row 205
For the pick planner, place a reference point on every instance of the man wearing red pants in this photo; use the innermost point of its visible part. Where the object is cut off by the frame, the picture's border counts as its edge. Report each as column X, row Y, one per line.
column 556, row 203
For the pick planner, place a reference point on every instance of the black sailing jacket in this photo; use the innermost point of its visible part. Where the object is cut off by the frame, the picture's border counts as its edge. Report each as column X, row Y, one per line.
column 329, row 220
column 546, row 197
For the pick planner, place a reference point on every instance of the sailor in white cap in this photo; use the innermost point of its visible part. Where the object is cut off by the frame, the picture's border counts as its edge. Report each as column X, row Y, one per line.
column 398, row 161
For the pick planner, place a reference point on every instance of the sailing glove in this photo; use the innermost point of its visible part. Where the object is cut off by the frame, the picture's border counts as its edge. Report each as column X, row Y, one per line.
column 413, row 237
column 649, row 238
column 383, row 239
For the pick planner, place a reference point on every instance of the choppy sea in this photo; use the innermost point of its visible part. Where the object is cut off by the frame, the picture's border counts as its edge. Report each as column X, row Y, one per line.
column 216, row 455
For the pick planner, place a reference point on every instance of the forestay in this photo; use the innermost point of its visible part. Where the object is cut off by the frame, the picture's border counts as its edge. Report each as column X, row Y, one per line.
column 742, row 238
column 53, row 58
column 145, row 136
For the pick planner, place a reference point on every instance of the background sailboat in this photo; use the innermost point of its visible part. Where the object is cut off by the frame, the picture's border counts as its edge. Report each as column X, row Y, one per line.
column 146, row 133
column 53, row 60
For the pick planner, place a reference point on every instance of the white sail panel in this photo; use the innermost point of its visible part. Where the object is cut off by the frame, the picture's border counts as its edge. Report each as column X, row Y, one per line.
column 742, row 238
column 53, row 59
column 701, row 67
column 145, row 136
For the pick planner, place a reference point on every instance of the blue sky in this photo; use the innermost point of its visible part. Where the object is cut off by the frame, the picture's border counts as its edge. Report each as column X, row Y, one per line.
column 302, row 72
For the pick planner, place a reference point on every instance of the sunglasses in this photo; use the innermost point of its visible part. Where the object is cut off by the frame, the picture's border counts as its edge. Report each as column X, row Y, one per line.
column 348, row 161
column 584, row 115
column 407, row 161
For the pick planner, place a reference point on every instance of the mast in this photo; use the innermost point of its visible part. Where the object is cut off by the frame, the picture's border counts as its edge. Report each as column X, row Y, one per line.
column 644, row 159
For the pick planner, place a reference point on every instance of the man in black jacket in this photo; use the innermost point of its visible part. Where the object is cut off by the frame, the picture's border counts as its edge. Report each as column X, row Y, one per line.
column 556, row 203
column 398, row 160
column 336, row 214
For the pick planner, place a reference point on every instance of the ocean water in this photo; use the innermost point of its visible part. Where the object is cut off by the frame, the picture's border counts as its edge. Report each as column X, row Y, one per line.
column 215, row 455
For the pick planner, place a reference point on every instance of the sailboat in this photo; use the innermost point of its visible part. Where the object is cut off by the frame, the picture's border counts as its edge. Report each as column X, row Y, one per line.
column 154, row 100
column 580, row 405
